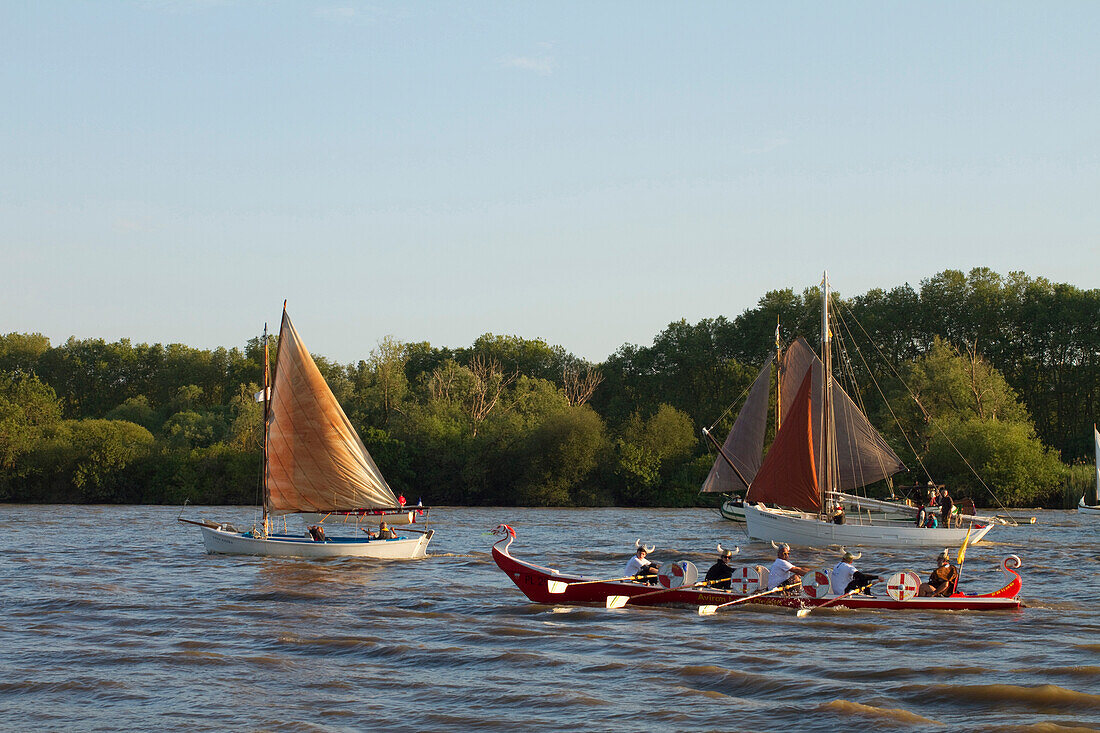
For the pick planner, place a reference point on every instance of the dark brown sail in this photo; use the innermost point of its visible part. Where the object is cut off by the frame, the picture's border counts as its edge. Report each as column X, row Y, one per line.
column 788, row 476
column 863, row 456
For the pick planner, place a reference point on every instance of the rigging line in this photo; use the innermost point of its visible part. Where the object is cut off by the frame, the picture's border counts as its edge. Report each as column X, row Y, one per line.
column 744, row 393
column 878, row 388
column 847, row 372
column 933, row 422
column 871, row 377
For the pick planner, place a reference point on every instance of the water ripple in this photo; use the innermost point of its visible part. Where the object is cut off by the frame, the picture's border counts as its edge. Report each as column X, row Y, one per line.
column 107, row 631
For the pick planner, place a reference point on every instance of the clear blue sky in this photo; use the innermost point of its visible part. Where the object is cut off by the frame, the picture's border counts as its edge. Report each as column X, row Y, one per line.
column 579, row 172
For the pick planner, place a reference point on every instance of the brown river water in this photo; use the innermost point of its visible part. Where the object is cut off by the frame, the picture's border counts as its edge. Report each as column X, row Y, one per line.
column 113, row 618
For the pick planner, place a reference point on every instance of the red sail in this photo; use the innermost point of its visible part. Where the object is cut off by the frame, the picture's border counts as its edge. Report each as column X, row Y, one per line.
column 788, row 476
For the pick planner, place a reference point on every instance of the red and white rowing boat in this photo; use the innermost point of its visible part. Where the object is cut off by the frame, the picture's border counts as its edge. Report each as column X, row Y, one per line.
column 537, row 581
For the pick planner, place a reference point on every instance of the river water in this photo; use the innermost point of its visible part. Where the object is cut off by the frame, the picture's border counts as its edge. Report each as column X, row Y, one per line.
column 113, row 618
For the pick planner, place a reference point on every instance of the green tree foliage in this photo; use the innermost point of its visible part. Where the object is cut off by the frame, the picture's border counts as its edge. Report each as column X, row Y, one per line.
column 1001, row 366
column 20, row 352
column 246, row 417
column 87, row 461
column 137, row 410
column 189, row 429
column 650, row 451
column 28, row 408
column 972, row 429
column 559, row 458
column 1006, row 455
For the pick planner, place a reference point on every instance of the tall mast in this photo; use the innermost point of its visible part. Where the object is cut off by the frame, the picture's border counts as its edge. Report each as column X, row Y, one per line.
column 826, row 392
column 778, row 378
column 267, row 399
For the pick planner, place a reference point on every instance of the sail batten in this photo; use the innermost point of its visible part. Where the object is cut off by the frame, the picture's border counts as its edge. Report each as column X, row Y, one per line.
column 316, row 460
column 745, row 443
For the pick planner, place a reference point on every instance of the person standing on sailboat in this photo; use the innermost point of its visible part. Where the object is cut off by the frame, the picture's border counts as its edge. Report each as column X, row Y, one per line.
column 783, row 569
column 946, row 507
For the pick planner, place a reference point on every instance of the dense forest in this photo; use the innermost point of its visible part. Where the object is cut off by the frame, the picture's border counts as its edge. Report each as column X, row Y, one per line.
column 985, row 382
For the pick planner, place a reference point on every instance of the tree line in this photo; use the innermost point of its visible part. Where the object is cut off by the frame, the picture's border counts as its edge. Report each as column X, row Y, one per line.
column 985, row 382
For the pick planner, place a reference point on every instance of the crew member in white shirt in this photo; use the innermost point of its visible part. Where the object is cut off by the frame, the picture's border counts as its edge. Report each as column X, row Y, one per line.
column 783, row 569
column 639, row 566
column 846, row 578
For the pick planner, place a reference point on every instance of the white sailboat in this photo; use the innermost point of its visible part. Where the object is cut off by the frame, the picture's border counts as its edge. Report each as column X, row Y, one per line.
column 1082, row 507
column 314, row 462
column 826, row 445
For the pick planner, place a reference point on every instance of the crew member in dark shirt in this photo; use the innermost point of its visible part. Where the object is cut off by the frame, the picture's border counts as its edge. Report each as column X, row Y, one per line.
column 720, row 572
column 946, row 506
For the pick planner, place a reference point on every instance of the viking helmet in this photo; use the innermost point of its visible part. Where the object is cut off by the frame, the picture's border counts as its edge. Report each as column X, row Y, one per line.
column 727, row 554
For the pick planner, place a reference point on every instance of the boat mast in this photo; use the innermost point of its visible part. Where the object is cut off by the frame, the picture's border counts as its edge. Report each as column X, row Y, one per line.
column 267, row 399
column 778, row 378
column 826, row 393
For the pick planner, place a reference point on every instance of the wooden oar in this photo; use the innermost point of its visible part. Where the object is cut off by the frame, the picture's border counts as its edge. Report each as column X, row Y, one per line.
column 620, row 601
column 559, row 586
column 804, row 612
column 710, row 610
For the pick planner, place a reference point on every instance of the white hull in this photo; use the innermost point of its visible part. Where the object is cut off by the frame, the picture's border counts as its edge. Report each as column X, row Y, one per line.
column 798, row 528
column 1083, row 508
column 220, row 541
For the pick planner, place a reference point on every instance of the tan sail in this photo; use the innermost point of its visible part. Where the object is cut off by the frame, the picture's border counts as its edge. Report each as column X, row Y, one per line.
column 863, row 456
column 316, row 461
column 745, row 443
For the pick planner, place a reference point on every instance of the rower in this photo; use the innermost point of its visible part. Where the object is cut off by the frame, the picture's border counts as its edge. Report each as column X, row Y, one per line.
column 641, row 568
column 943, row 581
column 720, row 572
column 385, row 533
column 783, row 569
column 845, row 578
